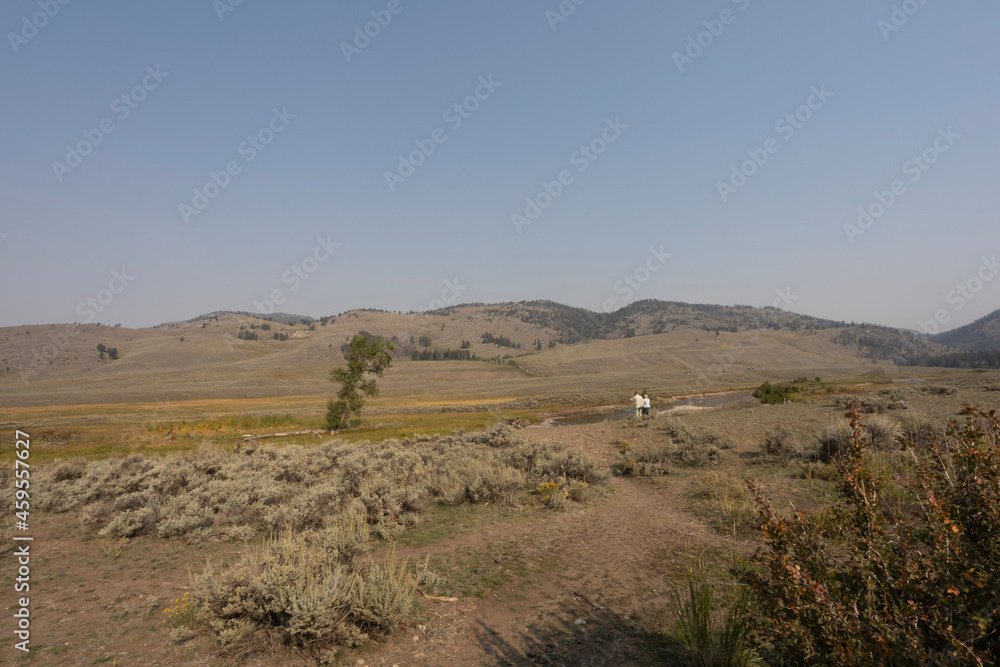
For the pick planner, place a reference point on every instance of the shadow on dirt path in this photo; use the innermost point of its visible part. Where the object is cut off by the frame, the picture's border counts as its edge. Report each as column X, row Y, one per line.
column 582, row 633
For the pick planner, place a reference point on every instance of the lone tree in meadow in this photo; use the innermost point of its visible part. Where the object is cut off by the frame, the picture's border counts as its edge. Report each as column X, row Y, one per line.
column 366, row 357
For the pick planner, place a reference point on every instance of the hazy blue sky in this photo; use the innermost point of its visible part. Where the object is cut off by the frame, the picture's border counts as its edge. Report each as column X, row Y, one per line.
column 886, row 83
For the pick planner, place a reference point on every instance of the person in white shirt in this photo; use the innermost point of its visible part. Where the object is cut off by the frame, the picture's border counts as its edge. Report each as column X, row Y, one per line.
column 645, row 404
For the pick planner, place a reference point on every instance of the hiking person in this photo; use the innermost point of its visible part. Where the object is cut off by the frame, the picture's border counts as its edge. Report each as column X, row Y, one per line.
column 637, row 400
column 645, row 404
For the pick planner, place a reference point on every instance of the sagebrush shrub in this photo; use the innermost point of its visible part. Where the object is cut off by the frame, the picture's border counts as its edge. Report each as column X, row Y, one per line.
column 653, row 458
column 493, row 482
column 182, row 516
column 498, row 435
column 311, row 589
column 644, row 459
column 129, row 523
column 345, row 539
column 635, row 421
column 274, row 488
column 572, row 464
column 69, row 470
column 709, row 435
column 893, row 393
column 675, row 429
column 875, row 403
column 697, row 454
column 385, row 502
column 778, row 442
column 884, row 433
column 241, row 533
column 531, row 457
column 938, row 390
column 382, row 598
column 833, row 440
column 916, row 431
column 427, row 580
column 288, row 585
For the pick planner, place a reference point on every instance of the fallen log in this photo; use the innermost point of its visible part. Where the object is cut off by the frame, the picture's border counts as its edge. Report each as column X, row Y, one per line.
column 249, row 437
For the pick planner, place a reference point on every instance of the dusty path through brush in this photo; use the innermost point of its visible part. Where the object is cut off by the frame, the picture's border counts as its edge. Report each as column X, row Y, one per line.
column 593, row 584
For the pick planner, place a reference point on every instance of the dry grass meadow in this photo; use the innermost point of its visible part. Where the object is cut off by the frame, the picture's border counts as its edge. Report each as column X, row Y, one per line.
column 432, row 533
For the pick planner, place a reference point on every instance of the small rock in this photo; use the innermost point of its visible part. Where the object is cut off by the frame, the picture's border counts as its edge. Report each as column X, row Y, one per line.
column 498, row 559
column 479, row 570
column 580, row 621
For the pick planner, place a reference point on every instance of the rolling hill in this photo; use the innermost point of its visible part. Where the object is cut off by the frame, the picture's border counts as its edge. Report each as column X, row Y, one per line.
column 979, row 336
column 535, row 346
column 281, row 318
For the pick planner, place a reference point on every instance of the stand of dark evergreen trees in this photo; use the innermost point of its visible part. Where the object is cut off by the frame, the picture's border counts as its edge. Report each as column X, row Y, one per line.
column 982, row 359
column 501, row 340
column 442, row 355
column 112, row 352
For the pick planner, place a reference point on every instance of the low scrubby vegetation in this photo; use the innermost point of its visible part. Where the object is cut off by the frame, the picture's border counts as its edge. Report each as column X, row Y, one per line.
column 310, row 590
column 882, row 400
column 832, row 441
column 268, row 488
column 917, row 432
column 312, row 584
column 938, row 390
column 779, row 443
column 671, row 442
column 773, row 394
column 904, row 568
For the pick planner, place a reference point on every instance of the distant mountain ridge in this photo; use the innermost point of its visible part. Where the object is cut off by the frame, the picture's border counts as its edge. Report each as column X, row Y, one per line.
column 282, row 318
column 979, row 336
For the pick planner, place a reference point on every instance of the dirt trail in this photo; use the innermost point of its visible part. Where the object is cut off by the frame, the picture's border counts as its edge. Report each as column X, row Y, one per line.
column 593, row 570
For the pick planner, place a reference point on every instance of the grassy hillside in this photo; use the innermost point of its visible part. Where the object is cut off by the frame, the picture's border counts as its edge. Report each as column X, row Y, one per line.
column 981, row 335
column 651, row 316
column 205, row 360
